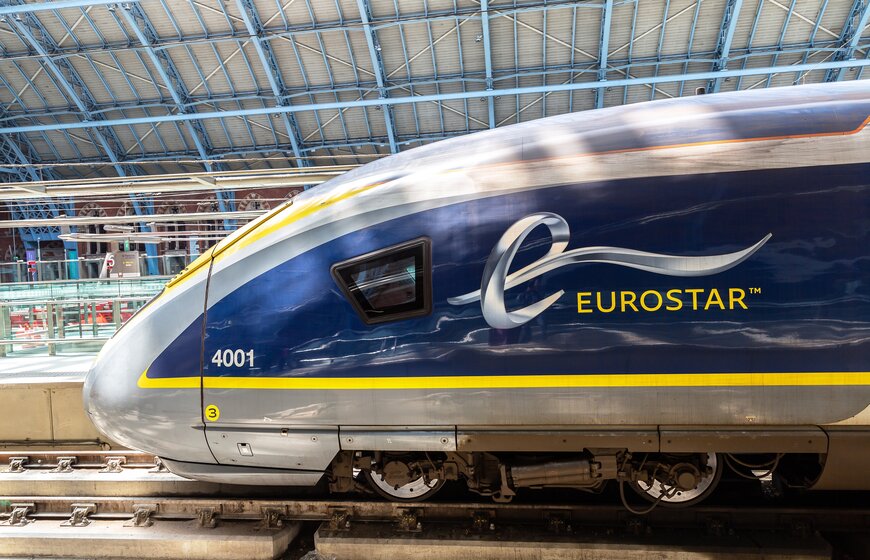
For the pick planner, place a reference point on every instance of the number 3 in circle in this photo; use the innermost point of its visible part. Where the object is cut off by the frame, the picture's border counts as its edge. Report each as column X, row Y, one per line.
column 212, row 413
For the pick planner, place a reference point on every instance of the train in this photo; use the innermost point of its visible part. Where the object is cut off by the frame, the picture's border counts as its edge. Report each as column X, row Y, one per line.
column 641, row 295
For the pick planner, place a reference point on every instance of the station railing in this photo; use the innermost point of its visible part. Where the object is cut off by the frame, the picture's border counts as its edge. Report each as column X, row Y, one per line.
column 82, row 289
column 69, row 316
column 79, row 325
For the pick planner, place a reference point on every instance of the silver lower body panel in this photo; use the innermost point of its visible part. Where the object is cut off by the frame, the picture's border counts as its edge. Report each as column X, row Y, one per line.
column 224, row 474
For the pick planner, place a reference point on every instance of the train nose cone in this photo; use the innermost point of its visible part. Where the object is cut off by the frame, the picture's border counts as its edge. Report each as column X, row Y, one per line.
column 113, row 400
column 110, row 397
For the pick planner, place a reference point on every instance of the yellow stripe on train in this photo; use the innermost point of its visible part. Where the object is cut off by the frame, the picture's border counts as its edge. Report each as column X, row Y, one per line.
column 610, row 380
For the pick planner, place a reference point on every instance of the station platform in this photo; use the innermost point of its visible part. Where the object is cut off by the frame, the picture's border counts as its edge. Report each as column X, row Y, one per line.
column 160, row 540
column 43, row 409
column 28, row 369
column 376, row 542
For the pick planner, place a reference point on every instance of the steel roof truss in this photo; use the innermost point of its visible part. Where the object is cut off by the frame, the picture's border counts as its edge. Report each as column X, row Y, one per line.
column 68, row 81
column 726, row 37
column 812, row 39
column 857, row 20
column 542, row 89
column 252, row 22
column 378, row 67
column 487, row 58
column 603, row 45
column 54, row 5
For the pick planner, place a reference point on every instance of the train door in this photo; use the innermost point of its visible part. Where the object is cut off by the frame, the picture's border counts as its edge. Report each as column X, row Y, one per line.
column 250, row 419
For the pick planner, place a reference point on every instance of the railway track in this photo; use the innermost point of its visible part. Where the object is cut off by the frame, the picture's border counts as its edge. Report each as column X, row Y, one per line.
column 116, row 481
column 12, row 462
column 56, row 492
column 480, row 516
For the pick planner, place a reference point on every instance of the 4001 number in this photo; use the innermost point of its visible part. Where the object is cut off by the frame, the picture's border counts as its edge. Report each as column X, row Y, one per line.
column 233, row 358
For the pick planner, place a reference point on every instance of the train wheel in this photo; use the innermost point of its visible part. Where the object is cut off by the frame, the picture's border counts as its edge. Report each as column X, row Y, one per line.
column 414, row 491
column 676, row 497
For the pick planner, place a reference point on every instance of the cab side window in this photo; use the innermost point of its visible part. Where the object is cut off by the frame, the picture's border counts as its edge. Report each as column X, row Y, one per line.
column 390, row 284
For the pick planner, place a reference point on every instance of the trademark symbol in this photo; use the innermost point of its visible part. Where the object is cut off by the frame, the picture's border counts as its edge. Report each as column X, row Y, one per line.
column 754, row 290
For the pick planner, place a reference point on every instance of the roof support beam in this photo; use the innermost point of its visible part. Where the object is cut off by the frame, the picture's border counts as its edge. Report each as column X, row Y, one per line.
column 24, row 31
column 127, row 14
column 603, row 46
column 12, row 149
column 549, row 88
column 13, row 152
column 30, row 181
column 859, row 17
column 56, row 5
column 168, row 74
column 147, row 37
column 726, row 36
column 232, row 37
column 31, row 235
column 358, row 87
column 66, row 83
column 487, row 59
column 251, row 18
column 69, row 81
column 378, row 69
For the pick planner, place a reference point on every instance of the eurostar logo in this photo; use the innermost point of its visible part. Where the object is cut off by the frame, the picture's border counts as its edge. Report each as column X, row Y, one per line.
column 653, row 300
column 496, row 280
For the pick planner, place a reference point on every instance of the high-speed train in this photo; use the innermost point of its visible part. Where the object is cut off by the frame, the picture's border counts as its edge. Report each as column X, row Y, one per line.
column 645, row 294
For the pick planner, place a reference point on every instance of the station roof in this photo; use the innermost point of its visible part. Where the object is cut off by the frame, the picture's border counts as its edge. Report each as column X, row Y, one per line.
column 93, row 87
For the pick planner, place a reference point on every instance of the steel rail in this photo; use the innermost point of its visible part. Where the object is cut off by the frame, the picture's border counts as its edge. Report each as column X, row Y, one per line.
column 340, row 513
column 22, row 461
column 208, row 502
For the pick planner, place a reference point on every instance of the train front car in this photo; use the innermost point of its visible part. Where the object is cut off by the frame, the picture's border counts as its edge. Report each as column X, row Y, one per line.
column 641, row 293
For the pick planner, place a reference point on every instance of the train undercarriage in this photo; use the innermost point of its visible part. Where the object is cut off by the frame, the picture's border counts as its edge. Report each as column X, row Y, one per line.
column 670, row 479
